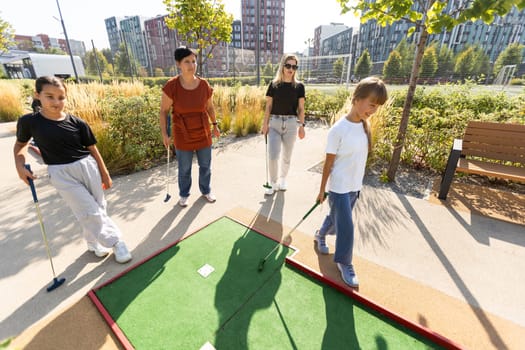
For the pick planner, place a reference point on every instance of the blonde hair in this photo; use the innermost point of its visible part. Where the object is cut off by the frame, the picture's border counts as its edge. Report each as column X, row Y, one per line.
column 370, row 87
column 278, row 79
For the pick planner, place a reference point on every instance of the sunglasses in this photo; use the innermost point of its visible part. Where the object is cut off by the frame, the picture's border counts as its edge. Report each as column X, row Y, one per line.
column 291, row 66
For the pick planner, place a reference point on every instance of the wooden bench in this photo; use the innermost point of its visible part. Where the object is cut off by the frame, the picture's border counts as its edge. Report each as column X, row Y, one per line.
column 484, row 149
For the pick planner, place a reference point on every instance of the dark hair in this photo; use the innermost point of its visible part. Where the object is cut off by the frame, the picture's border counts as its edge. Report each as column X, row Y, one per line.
column 48, row 80
column 36, row 105
column 39, row 85
column 182, row 52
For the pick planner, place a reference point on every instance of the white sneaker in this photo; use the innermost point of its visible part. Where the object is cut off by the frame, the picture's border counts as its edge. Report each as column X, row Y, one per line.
column 282, row 184
column 183, row 201
column 122, row 254
column 210, row 197
column 269, row 191
column 99, row 250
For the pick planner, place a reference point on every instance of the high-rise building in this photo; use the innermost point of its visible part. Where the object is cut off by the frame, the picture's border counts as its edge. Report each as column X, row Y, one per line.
column 325, row 31
column 491, row 38
column 113, row 31
column 269, row 15
column 132, row 33
column 161, row 42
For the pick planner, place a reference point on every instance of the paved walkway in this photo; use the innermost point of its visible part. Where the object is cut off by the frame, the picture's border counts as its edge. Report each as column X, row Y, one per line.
column 474, row 260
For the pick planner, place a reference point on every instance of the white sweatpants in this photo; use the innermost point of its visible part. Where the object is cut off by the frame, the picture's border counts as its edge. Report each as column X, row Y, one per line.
column 283, row 131
column 80, row 185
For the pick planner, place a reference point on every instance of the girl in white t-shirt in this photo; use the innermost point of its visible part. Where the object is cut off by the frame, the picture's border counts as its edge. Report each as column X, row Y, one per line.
column 348, row 144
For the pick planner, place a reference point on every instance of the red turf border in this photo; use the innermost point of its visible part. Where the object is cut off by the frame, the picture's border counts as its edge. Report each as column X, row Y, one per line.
column 423, row 331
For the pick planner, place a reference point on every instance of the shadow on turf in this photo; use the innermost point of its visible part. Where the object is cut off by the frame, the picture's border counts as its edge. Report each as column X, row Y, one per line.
column 272, row 207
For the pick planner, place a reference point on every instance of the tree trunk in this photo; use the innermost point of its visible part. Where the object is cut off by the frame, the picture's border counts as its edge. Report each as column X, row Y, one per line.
column 400, row 140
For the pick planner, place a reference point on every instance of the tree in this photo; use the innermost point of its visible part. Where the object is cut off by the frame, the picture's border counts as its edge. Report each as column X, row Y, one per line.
column 158, row 72
column 363, row 65
column 93, row 64
column 429, row 63
column 512, row 54
column 268, row 70
column 406, row 51
column 481, row 62
column 6, row 35
column 337, row 69
column 427, row 17
column 124, row 62
column 203, row 23
column 392, row 67
column 108, row 55
column 445, row 62
column 464, row 63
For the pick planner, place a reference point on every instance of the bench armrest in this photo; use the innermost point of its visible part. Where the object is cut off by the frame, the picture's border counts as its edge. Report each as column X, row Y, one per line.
column 458, row 145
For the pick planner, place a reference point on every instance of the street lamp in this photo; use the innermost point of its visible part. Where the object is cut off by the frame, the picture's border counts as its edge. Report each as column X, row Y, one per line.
column 67, row 43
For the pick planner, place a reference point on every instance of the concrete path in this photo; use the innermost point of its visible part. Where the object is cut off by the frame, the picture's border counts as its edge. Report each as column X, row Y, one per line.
column 476, row 260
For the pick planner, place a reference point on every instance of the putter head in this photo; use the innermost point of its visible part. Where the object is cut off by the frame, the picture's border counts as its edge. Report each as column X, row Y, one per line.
column 267, row 185
column 261, row 265
column 167, row 197
column 57, row 282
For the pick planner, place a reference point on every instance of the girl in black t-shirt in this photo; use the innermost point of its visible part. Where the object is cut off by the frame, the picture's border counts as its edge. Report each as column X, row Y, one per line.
column 283, row 119
column 76, row 168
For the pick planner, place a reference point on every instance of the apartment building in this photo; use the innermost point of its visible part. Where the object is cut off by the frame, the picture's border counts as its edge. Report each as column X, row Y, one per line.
column 161, row 42
column 270, row 34
column 491, row 38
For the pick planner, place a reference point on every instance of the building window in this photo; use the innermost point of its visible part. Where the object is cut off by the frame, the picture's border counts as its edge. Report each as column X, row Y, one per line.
column 269, row 33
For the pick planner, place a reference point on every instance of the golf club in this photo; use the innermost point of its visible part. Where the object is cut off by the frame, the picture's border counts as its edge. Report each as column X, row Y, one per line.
column 57, row 282
column 263, row 261
column 267, row 185
column 168, row 196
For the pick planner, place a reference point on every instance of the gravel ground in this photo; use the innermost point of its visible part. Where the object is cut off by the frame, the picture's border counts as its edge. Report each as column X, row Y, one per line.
column 418, row 182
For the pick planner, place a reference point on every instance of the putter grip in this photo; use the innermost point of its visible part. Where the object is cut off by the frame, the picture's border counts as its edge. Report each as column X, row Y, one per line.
column 313, row 207
column 31, row 184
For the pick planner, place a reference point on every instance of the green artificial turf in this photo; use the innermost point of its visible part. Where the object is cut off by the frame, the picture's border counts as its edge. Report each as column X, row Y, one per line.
column 165, row 303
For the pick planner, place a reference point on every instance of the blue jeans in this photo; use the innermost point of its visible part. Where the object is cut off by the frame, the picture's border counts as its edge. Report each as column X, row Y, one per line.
column 339, row 222
column 184, row 161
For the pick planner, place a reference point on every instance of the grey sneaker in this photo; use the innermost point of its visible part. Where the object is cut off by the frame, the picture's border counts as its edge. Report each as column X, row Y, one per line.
column 99, row 250
column 348, row 275
column 322, row 247
column 210, row 197
column 122, row 254
column 183, row 201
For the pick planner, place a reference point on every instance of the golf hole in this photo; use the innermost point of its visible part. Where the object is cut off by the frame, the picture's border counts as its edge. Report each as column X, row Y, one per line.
column 205, row 270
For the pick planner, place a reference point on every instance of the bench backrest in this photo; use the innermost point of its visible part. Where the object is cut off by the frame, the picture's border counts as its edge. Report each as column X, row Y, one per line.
column 495, row 141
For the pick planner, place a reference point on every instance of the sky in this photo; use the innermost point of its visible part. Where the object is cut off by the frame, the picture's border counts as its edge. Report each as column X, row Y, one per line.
column 84, row 20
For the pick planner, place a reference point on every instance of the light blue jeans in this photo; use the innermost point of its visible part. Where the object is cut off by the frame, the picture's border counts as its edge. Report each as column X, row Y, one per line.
column 283, row 132
column 339, row 222
column 184, row 161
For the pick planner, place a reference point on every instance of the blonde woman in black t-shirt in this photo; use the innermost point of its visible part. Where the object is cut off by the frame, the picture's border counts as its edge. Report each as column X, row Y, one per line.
column 75, row 167
column 283, row 120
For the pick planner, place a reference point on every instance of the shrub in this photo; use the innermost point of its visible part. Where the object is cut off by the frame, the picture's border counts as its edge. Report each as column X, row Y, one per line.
column 131, row 140
column 11, row 106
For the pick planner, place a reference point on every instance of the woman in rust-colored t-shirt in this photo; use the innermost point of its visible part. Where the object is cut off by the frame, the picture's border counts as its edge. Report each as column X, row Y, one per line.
column 189, row 99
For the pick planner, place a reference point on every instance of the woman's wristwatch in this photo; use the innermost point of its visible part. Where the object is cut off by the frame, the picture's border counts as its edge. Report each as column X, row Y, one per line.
column 301, row 124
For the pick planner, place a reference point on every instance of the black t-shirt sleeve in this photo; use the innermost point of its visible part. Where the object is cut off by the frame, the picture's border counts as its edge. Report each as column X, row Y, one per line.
column 23, row 129
column 86, row 134
column 269, row 91
column 300, row 91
